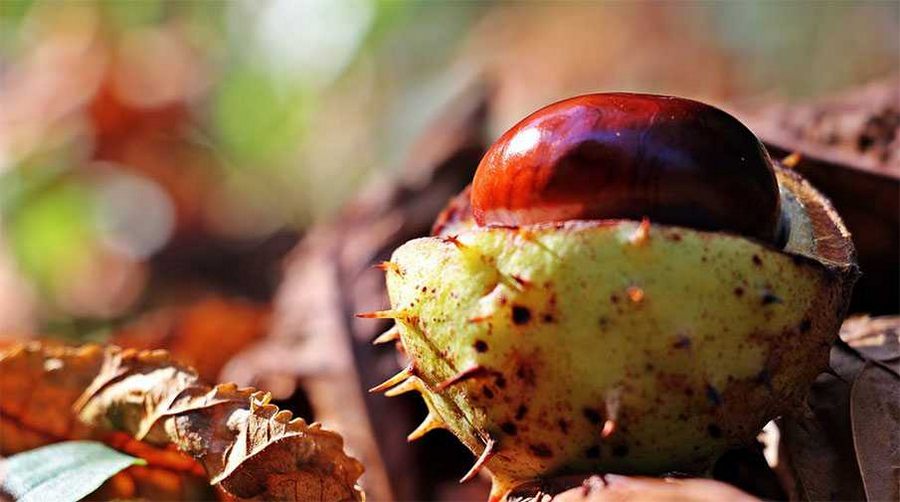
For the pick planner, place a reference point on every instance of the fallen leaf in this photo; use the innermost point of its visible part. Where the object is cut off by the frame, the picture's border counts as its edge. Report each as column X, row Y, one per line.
column 875, row 414
column 840, row 449
column 246, row 445
column 819, row 445
column 39, row 388
column 62, row 472
column 876, row 338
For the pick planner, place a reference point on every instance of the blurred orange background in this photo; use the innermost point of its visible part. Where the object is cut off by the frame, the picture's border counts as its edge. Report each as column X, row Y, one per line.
column 153, row 151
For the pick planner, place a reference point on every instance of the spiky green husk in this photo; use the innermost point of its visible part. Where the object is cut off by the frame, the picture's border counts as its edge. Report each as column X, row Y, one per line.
column 609, row 346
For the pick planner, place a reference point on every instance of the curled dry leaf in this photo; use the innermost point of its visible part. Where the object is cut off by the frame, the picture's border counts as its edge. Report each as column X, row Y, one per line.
column 875, row 415
column 845, row 447
column 39, row 388
column 874, row 346
column 876, row 338
column 246, row 445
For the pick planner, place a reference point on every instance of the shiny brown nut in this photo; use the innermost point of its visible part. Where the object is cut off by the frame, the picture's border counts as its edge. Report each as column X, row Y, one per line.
column 630, row 156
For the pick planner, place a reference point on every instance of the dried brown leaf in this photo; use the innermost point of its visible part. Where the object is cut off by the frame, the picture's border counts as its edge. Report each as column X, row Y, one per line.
column 875, row 338
column 819, row 445
column 39, row 388
column 841, row 448
column 875, row 415
column 245, row 444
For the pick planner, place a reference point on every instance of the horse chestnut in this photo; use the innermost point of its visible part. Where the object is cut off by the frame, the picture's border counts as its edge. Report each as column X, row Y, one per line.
column 629, row 156
column 552, row 347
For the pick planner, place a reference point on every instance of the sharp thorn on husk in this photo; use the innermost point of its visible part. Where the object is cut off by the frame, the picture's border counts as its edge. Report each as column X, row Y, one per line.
column 454, row 239
column 499, row 490
column 431, row 422
column 473, row 372
column 410, row 384
column 792, row 160
column 482, row 460
column 394, row 380
column 642, row 233
column 609, row 428
column 610, row 425
column 391, row 335
column 380, row 314
column 513, row 281
column 389, row 266
column 530, row 237
column 524, row 283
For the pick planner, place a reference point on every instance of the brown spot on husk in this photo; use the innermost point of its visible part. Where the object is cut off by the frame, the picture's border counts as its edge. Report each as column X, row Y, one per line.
column 520, row 315
column 592, row 415
column 521, row 412
column 713, row 395
column 768, row 298
column 682, row 342
column 541, row 450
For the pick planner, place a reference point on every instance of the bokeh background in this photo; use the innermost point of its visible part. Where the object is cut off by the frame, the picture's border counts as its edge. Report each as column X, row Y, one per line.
column 217, row 177
column 155, row 152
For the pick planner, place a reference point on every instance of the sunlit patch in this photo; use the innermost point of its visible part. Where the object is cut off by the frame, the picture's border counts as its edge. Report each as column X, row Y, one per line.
column 316, row 39
column 135, row 215
column 524, row 141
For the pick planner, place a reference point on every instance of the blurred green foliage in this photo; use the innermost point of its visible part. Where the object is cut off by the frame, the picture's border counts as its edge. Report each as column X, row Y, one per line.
column 256, row 121
column 287, row 107
column 52, row 230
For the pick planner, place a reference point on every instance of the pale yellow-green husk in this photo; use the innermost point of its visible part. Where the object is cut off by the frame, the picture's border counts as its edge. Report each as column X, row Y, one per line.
column 611, row 346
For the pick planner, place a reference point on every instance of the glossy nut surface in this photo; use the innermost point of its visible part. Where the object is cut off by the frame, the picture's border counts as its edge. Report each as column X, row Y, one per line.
column 629, row 156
